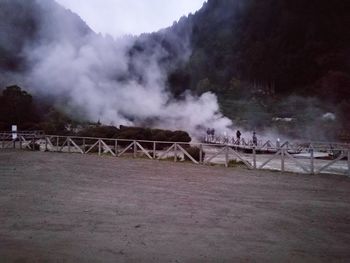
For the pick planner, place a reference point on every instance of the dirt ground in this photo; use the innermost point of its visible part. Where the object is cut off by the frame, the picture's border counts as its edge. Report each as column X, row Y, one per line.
column 59, row 207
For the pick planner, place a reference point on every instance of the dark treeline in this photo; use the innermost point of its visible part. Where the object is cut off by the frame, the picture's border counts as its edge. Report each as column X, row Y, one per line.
column 282, row 45
column 17, row 107
column 273, row 58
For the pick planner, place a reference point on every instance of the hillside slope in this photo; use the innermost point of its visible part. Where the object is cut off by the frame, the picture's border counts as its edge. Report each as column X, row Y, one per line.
column 24, row 23
column 290, row 45
column 273, row 58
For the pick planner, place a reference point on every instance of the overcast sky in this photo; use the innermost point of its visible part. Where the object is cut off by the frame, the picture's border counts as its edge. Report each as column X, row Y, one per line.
column 118, row 17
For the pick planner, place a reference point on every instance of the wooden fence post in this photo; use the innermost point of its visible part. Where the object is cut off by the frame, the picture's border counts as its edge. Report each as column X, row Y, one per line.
column 154, row 150
column 84, row 146
column 312, row 157
column 68, row 143
column 175, row 152
column 116, row 148
column 226, row 156
column 282, row 159
column 135, row 150
column 349, row 162
column 254, row 157
column 201, row 154
column 99, row 147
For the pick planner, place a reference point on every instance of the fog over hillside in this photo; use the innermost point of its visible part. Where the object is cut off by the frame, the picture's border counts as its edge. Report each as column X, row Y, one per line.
column 119, row 81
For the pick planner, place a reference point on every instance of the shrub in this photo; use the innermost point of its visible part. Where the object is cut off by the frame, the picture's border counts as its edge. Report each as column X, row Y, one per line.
column 137, row 133
column 235, row 163
column 99, row 132
column 180, row 136
column 195, row 153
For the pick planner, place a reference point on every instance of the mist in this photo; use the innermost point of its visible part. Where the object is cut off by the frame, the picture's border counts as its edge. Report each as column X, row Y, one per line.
column 119, row 81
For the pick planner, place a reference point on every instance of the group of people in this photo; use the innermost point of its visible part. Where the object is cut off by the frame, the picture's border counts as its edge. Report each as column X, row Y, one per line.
column 212, row 139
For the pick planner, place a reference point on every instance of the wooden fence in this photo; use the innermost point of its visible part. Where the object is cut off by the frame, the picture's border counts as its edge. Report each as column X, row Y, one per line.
column 283, row 157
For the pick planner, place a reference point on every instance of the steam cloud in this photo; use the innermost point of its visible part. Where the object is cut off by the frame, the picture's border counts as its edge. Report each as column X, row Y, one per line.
column 88, row 75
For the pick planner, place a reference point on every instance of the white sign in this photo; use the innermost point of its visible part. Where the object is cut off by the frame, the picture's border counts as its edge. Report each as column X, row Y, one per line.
column 14, row 132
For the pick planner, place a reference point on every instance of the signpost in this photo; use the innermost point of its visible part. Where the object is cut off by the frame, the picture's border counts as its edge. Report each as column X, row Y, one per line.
column 14, row 132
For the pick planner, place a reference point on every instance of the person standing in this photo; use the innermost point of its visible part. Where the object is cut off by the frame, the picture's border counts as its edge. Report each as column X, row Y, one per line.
column 207, row 139
column 213, row 134
column 238, row 135
column 255, row 139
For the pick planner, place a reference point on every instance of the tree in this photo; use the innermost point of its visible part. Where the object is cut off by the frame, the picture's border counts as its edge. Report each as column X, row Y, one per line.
column 16, row 107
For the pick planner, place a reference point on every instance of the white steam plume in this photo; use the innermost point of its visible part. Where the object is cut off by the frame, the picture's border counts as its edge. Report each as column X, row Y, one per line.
column 86, row 75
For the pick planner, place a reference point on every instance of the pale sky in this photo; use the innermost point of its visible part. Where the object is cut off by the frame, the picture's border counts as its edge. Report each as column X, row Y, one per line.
column 119, row 17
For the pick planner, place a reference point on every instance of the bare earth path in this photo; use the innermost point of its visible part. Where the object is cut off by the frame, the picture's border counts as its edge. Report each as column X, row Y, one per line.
column 74, row 208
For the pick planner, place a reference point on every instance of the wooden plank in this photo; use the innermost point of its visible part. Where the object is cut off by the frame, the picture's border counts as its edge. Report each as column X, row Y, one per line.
column 68, row 143
column 215, row 155
column 63, row 145
column 49, row 142
column 187, row 154
column 296, row 161
column 312, row 159
column 8, row 144
column 154, row 150
column 267, row 144
column 26, row 143
column 285, row 144
column 93, row 146
column 241, row 158
column 135, row 150
column 175, row 152
column 144, row 151
column 166, row 152
column 254, row 158
column 269, row 160
column 107, row 148
column 116, row 147
column 349, row 162
column 201, row 153
column 76, row 146
column 84, row 145
column 341, row 156
column 125, row 150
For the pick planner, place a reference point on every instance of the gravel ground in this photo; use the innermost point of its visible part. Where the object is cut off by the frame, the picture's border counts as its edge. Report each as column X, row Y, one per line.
column 57, row 207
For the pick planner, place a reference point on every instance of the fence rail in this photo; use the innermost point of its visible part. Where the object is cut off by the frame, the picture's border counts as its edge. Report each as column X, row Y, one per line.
column 310, row 158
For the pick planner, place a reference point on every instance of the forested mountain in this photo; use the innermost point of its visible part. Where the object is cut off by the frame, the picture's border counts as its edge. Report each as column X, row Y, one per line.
column 286, row 58
column 289, row 45
column 24, row 23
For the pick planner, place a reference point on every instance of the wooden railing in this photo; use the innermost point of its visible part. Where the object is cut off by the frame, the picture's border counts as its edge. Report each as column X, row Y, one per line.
column 283, row 157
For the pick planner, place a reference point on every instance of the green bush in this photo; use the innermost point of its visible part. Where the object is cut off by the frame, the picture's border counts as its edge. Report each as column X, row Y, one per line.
column 180, row 136
column 99, row 132
column 137, row 133
column 195, row 153
column 235, row 163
